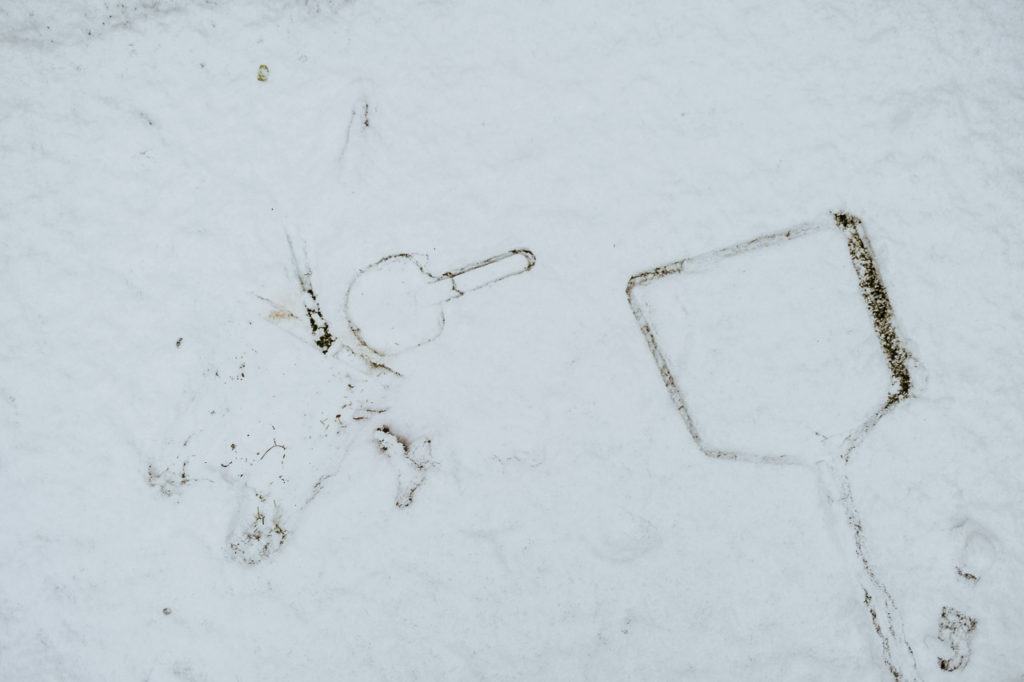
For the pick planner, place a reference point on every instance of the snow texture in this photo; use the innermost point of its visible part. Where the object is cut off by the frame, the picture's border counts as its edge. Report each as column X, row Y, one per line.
column 207, row 474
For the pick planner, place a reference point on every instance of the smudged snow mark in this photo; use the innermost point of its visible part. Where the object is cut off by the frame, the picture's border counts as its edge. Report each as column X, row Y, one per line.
column 9, row 409
column 171, row 479
column 294, row 460
column 261, row 537
column 322, row 336
column 977, row 550
column 410, row 460
column 271, row 434
column 955, row 628
column 621, row 536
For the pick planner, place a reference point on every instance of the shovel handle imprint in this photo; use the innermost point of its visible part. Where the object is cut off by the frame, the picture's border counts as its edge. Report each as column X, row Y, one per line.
column 897, row 653
column 395, row 304
column 456, row 283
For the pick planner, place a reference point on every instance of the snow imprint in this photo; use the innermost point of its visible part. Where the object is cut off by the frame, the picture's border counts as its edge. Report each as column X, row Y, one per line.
column 773, row 397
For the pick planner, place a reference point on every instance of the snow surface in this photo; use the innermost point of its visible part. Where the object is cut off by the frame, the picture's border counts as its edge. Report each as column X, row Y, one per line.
column 189, row 190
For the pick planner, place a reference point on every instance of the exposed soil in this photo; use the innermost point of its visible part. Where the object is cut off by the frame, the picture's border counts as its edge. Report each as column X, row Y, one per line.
column 877, row 299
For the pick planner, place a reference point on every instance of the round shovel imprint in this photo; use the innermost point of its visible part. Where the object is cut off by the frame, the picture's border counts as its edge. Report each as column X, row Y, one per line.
column 395, row 304
column 783, row 350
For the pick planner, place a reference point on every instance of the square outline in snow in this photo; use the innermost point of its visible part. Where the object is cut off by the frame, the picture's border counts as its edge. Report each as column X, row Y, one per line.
column 872, row 289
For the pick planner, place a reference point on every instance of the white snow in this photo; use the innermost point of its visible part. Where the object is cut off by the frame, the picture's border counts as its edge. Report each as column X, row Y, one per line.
column 518, row 498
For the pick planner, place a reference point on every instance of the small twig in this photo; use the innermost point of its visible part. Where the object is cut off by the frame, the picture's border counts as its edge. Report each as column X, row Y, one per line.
column 275, row 445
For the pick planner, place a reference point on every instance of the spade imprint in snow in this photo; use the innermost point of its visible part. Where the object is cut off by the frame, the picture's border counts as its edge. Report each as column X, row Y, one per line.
column 802, row 322
column 395, row 305
column 785, row 349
